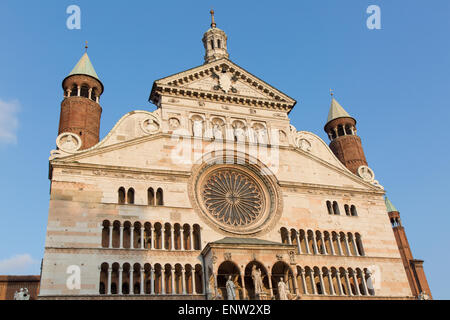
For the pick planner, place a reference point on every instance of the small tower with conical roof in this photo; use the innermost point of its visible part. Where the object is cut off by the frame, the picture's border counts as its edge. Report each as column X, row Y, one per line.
column 215, row 42
column 345, row 144
column 80, row 109
column 413, row 267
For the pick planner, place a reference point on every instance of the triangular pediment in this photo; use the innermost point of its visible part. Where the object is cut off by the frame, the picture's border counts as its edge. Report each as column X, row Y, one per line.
column 225, row 80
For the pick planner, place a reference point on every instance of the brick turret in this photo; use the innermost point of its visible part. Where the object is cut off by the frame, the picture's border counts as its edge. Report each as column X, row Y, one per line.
column 413, row 267
column 80, row 109
column 345, row 144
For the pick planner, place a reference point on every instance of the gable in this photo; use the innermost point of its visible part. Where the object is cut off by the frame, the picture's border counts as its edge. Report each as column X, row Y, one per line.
column 225, row 81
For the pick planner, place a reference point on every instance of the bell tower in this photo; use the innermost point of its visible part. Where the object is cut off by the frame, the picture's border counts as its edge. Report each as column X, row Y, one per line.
column 215, row 42
column 80, row 109
column 413, row 267
column 345, row 144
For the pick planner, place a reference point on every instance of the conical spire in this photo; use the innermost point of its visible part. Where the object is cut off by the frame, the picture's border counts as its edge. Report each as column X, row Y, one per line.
column 336, row 111
column 84, row 67
column 389, row 206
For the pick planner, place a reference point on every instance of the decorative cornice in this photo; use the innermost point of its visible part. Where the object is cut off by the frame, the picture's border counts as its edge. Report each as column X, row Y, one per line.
column 175, row 85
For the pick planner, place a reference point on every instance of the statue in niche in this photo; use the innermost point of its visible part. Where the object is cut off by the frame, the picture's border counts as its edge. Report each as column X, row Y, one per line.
column 217, row 131
column 197, row 128
column 261, row 135
column 231, row 293
column 283, row 290
column 239, row 132
column 257, row 280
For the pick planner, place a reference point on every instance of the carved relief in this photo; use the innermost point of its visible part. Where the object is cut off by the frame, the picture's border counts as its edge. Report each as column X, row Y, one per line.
column 150, row 125
column 68, row 142
column 174, row 123
column 227, row 256
column 303, row 144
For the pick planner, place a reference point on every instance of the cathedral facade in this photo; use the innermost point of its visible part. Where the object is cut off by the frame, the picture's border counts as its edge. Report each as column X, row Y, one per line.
column 215, row 189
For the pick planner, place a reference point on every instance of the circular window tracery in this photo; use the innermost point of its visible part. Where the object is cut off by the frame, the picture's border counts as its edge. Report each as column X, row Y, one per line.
column 240, row 199
column 233, row 197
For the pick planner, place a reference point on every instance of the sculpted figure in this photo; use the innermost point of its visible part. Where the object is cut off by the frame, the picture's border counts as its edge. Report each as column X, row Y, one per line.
column 198, row 128
column 239, row 133
column 257, row 280
column 231, row 293
column 217, row 131
column 283, row 290
column 69, row 144
column 262, row 137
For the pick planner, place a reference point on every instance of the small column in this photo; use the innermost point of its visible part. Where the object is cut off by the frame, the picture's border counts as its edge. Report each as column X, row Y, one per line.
column 364, row 284
column 163, row 281
column 121, row 237
column 347, row 246
column 355, row 281
column 131, row 280
column 194, row 290
column 244, row 293
column 172, row 243
column 182, row 238
column 132, row 237
column 69, row 92
column 347, row 281
column 172, row 280
column 313, row 283
column 307, row 244
column 215, row 284
column 142, row 237
column 330, row 280
column 338, row 280
column 289, row 238
column 90, row 93
column 152, row 238
column 297, row 293
column 354, row 246
column 316, row 251
column 302, row 275
column 142, row 281
column 110, row 236
column 321, row 282
column 191, row 235
column 152, row 280
column 183, row 280
column 120, row 279
column 78, row 91
column 298, row 243
column 338, row 239
column 323, row 243
column 109, row 279
column 97, row 99
column 330, row 237
column 269, row 274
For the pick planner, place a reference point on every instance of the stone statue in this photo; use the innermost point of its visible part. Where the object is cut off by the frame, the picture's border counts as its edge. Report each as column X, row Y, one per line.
column 22, row 294
column 257, row 280
column 283, row 290
column 197, row 128
column 261, row 136
column 231, row 293
column 217, row 131
column 239, row 134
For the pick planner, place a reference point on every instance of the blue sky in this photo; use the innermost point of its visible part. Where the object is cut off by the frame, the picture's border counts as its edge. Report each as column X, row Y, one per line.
column 394, row 81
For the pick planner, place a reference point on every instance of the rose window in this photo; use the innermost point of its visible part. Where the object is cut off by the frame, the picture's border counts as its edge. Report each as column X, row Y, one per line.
column 233, row 198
